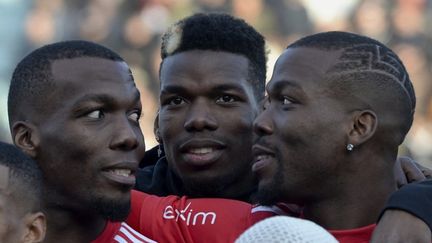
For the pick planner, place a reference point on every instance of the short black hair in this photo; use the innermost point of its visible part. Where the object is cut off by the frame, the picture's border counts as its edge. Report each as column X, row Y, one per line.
column 369, row 66
column 25, row 177
column 32, row 78
column 219, row 32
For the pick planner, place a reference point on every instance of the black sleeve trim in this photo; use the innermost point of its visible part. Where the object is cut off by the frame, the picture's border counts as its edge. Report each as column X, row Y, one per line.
column 414, row 198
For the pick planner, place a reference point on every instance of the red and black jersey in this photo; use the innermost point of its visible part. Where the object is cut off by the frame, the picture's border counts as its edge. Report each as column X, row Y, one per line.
column 120, row 232
column 179, row 219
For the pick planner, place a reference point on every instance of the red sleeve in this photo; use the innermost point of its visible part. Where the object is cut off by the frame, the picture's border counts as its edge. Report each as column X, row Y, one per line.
column 146, row 217
column 179, row 219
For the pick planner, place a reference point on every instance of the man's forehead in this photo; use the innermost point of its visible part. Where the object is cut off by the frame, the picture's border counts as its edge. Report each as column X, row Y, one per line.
column 311, row 58
column 4, row 177
column 303, row 64
column 195, row 61
column 83, row 75
column 89, row 68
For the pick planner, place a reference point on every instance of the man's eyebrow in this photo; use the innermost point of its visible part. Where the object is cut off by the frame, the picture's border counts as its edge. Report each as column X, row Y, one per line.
column 280, row 84
column 219, row 88
column 102, row 99
column 98, row 98
column 227, row 87
column 173, row 89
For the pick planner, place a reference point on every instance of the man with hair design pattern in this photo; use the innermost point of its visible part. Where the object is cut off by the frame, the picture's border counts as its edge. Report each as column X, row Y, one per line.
column 338, row 107
column 21, row 220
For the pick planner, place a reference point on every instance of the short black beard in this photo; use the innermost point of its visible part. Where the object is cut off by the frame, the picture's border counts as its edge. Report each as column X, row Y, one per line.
column 270, row 194
column 266, row 197
column 113, row 210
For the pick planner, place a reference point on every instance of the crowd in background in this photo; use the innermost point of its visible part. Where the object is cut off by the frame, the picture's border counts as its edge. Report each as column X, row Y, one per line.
column 133, row 28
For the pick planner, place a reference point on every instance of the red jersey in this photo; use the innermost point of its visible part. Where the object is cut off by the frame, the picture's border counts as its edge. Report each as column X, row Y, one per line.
column 358, row 235
column 179, row 219
column 120, row 232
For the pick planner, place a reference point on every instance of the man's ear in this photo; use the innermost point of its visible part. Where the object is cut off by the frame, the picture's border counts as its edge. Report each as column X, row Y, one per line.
column 363, row 127
column 26, row 137
column 35, row 227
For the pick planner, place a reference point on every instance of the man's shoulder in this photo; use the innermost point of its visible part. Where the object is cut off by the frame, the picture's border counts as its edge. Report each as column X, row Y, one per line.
column 121, row 232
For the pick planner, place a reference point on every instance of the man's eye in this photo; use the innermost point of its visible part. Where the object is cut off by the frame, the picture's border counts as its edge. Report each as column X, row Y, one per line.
column 135, row 116
column 97, row 114
column 286, row 100
column 176, row 101
column 225, row 99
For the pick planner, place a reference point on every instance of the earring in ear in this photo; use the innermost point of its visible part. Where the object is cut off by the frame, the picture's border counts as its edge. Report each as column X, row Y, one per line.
column 350, row 147
column 159, row 150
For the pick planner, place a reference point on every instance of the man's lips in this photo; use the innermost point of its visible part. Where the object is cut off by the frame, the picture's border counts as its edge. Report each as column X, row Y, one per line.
column 201, row 152
column 121, row 173
column 263, row 156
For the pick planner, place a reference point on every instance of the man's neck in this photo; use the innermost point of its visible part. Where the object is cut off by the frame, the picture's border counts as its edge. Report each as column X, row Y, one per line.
column 240, row 189
column 357, row 204
column 65, row 225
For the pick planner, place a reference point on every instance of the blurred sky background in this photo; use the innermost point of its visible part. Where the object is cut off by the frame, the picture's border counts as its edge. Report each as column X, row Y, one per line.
column 133, row 29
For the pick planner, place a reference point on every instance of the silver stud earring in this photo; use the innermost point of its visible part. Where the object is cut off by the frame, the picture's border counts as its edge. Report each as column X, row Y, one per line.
column 159, row 150
column 349, row 147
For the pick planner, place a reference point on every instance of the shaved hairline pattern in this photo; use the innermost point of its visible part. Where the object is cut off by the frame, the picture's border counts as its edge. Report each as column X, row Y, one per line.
column 373, row 58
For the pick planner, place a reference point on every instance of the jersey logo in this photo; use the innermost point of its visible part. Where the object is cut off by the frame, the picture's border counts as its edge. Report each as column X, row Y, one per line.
column 189, row 216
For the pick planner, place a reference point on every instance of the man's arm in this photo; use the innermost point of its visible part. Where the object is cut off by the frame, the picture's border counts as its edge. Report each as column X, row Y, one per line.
column 398, row 226
column 182, row 219
column 407, row 216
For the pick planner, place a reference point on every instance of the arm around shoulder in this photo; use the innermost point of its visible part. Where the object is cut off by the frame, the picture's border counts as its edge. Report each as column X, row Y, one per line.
column 414, row 198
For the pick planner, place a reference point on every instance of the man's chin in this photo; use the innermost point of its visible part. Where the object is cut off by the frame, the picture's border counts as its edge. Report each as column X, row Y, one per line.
column 267, row 195
column 208, row 186
column 112, row 209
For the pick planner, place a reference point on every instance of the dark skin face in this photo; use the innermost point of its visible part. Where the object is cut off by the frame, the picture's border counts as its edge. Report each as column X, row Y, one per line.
column 301, row 131
column 205, row 119
column 90, row 142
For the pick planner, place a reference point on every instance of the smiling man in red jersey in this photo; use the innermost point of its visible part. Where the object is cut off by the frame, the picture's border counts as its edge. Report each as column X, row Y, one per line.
column 212, row 77
column 338, row 107
column 74, row 108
